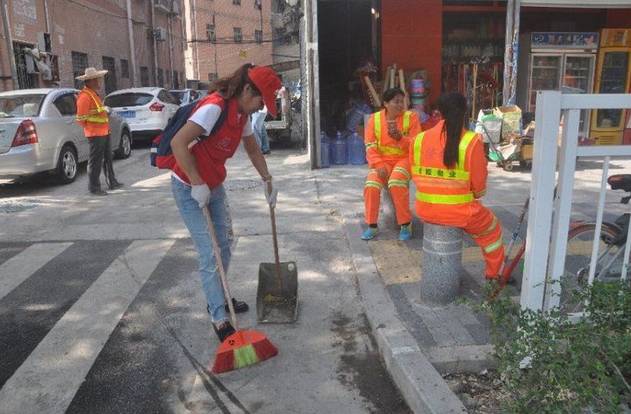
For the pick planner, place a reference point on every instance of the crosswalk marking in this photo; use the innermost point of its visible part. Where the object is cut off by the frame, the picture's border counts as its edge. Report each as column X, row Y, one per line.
column 48, row 380
column 21, row 266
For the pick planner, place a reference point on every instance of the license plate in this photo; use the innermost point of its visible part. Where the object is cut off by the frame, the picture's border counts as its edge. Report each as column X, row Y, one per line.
column 127, row 114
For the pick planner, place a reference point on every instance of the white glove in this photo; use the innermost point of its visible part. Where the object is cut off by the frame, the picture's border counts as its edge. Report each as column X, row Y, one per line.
column 107, row 109
column 201, row 194
column 270, row 193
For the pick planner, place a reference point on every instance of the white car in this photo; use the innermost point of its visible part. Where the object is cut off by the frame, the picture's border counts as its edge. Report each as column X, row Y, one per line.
column 39, row 132
column 146, row 110
column 186, row 96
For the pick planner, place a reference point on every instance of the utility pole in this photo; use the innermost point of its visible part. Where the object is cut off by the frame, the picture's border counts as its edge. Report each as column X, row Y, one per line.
column 170, row 34
column 9, row 40
column 154, row 44
column 132, row 48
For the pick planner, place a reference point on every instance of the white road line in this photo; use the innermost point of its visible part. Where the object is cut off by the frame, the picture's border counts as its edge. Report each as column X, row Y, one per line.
column 48, row 380
column 21, row 266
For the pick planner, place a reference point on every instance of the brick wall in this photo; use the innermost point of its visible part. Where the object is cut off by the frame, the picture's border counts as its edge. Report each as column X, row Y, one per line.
column 97, row 28
column 225, row 55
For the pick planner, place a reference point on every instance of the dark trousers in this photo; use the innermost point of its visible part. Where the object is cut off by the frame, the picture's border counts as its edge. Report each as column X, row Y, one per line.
column 100, row 155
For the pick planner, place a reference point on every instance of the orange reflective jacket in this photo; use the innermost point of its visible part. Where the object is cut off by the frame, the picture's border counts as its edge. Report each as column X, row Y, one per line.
column 91, row 114
column 444, row 194
column 380, row 146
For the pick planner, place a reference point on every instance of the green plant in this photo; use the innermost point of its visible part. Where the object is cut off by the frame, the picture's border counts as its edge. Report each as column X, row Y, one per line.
column 550, row 364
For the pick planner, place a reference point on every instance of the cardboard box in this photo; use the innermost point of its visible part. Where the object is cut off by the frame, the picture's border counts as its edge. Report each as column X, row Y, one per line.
column 511, row 119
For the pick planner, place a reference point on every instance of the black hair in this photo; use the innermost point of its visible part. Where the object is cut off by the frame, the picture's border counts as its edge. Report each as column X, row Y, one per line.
column 453, row 108
column 232, row 86
column 392, row 93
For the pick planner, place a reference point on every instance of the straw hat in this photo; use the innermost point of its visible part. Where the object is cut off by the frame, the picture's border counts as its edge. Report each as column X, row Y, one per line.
column 92, row 73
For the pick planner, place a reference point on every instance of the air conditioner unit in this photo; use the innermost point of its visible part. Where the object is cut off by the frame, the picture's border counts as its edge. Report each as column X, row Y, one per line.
column 160, row 33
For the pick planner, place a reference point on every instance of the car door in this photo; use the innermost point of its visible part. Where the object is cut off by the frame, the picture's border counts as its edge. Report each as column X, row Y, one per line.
column 66, row 104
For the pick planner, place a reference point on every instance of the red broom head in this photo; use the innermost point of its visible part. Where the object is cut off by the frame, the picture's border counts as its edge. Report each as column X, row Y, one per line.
column 241, row 349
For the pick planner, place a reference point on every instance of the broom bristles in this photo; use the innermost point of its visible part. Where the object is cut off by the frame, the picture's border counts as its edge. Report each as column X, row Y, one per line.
column 242, row 349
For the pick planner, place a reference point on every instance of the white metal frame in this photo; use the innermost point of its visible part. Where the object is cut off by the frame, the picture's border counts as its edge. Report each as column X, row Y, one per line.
column 549, row 216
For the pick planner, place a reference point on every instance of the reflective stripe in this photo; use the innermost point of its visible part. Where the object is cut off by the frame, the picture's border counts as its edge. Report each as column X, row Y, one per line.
column 398, row 183
column 462, row 148
column 375, row 184
column 371, row 145
column 493, row 246
column 406, row 122
column 92, row 118
column 444, row 198
column 391, row 150
column 402, row 171
column 417, row 149
column 489, row 229
column 93, row 112
column 441, row 173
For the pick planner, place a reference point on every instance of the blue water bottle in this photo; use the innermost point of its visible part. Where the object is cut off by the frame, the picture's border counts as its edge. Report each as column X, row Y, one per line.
column 340, row 150
column 325, row 151
column 356, row 149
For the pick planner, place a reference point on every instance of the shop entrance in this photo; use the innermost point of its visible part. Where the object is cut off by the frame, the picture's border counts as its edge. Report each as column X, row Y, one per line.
column 346, row 36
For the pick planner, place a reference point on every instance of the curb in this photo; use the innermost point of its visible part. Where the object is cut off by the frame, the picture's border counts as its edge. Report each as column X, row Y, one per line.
column 421, row 385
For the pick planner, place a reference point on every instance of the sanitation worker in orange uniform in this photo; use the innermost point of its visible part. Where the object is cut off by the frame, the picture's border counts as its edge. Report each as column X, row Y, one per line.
column 448, row 167
column 387, row 135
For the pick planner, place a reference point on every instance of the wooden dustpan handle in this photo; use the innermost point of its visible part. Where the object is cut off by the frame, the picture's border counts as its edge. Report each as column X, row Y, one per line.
column 222, row 273
column 276, row 257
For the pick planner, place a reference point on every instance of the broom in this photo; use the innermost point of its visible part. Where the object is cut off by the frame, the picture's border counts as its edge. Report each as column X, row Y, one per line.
column 244, row 347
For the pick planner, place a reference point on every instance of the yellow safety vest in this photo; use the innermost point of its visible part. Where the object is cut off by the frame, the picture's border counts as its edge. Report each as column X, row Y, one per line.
column 94, row 116
column 458, row 178
column 386, row 149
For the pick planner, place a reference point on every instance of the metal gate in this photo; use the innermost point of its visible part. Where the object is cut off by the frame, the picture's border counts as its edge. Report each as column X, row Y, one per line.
column 26, row 80
column 109, row 64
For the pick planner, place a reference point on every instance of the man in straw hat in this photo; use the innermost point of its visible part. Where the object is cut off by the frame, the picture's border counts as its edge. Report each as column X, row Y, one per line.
column 93, row 116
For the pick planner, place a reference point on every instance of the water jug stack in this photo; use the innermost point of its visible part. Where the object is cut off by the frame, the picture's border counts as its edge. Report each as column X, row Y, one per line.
column 356, row 149
column 339, row 150
column 325, row 151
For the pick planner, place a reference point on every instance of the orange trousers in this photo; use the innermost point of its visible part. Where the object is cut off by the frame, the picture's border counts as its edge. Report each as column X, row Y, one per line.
column 399, row 186
column 486, row 231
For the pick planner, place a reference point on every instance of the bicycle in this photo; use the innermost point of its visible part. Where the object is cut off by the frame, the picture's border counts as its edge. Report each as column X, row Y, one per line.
column 613, row 240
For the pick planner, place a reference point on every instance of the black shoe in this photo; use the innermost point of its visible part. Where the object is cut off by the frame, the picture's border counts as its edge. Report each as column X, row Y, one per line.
column 225, row 331
column 98, row 192
column 239, row 306
column 116, row 185
column 268, row 152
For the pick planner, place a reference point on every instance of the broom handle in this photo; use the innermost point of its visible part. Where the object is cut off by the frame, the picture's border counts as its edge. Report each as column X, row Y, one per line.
column 222, row 273
column 272, row 215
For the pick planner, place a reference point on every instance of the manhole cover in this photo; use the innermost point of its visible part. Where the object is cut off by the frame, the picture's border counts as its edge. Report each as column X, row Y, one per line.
column 242, row 185
column 16, row 206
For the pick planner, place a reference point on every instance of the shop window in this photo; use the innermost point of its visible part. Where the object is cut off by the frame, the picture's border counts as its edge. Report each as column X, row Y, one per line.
column 79, row 64
column 258, row 4
column 66, row 104
column 124, row 68
column 258, row 36
column 109, row 64
column 26, row 69
column 144, row 76
column 238, row 34
column 210, row 33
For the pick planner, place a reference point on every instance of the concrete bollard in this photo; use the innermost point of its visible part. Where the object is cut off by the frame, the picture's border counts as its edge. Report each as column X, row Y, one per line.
column 441, row 264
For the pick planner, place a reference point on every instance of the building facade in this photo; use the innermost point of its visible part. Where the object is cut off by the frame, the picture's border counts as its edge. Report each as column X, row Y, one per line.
column 224, row 34
column 140, row 42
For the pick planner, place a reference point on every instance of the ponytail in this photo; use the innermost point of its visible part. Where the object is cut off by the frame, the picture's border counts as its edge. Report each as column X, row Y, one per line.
column 453, row 107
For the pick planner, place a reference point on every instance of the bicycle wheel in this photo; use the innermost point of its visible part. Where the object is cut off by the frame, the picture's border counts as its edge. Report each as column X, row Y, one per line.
column 578, row 259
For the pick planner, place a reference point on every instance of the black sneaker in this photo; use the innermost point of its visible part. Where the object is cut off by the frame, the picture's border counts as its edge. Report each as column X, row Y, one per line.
column 116, row 185
column 224, row 331
column 98, row 192
column 239, row 306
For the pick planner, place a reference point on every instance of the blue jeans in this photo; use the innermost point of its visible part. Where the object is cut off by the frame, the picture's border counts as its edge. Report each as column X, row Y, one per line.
column 260, row 133
column 195, row 221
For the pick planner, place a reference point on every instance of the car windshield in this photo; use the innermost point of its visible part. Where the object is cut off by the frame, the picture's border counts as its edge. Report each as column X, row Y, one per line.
column 128, row 99
column 20, row 105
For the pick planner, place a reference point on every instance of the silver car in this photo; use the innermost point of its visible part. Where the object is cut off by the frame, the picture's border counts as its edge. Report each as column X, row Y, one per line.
column 38, row 133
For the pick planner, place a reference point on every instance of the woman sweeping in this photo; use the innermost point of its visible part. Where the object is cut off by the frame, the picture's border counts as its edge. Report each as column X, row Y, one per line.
column 387, row 135
column 449, row 170
column 199, row 171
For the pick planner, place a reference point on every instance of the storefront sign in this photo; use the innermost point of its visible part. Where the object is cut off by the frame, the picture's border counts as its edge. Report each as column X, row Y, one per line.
column 565, row 40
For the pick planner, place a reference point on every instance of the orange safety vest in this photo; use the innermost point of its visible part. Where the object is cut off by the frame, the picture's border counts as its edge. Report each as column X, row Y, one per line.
column 95, row 121
column 386, row 149
column 450, row 186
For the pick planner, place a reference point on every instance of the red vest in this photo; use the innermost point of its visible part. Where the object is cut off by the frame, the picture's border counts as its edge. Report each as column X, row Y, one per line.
column 212, row 153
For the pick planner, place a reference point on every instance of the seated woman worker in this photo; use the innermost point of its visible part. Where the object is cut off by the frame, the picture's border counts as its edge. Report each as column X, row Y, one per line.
column 200, row 170
column 449, row 171
column 387, row 136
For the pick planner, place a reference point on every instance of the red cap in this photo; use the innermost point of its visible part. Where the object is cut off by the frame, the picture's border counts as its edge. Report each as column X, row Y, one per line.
column 268, row 83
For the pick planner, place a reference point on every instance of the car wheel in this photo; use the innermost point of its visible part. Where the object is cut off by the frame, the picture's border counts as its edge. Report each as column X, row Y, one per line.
column 67, row 164
column 124, row 148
